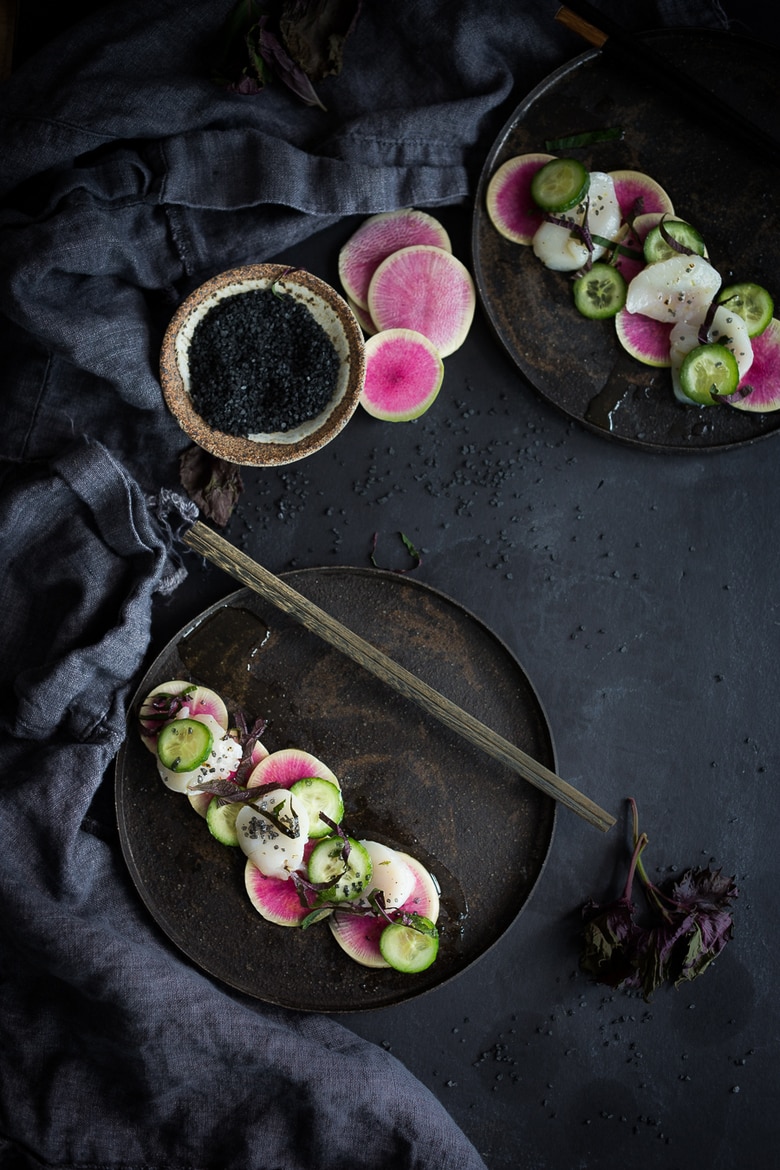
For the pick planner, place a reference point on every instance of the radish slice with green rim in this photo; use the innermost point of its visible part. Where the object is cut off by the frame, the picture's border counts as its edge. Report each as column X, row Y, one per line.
column 644, row 338
column 404, row 373
column 358, row 934
column 425, row 289
column 759, row 389
column 278, row 900
column 363, row 317
column 631, row 186
column 283, row 767
column 180, row 697
column 377, row 238
column 510, row 206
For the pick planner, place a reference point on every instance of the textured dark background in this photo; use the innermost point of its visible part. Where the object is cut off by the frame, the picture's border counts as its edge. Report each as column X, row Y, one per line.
column 639, row 593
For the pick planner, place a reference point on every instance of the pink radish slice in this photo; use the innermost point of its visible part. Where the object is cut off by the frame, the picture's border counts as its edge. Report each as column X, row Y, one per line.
column 644, row 338
column 282, row 768
column 277, row 899
column 378, row 237
column 403, row 375
column 200, row 701
column 763, row 377
column 358, row 935
column 427, row 290
column 631, row 186
column 510, row 207
column 363, row 317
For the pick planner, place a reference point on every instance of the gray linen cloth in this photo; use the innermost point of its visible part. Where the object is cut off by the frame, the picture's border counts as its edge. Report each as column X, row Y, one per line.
column 126, row 178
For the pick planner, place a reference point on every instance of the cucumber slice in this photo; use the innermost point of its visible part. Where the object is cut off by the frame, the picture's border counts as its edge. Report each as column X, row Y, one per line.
column 410, row 947
column 751, row 302
column 318, row 795
column 600, row 292
column 560, row 184
column 341, row 880
column 184, row 744
column 221, row 820
column 657, row 247
column 709, row 372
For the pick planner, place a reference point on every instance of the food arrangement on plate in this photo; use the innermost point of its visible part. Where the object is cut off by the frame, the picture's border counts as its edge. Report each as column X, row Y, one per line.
column 630, row 258
column 594, row 112
column 285, row 810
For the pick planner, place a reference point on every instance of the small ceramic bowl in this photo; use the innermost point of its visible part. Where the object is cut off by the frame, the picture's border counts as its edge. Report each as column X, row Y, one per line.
column 328, row 309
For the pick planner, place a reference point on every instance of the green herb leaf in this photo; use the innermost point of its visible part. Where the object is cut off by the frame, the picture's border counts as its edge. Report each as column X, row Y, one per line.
column 586, row 138
column 412, row 551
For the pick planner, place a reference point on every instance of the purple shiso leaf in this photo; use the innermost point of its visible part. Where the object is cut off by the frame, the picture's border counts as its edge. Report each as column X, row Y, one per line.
column 690, row 923
column 264, row 44
column 212, row 483
column 314, row 33
column 612, row 938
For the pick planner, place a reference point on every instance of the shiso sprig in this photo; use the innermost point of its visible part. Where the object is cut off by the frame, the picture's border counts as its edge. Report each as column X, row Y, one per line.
column 290, row 41
column 687, row 923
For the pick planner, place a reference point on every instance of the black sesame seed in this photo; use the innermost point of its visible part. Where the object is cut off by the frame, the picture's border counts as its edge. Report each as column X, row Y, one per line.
column 260, row 363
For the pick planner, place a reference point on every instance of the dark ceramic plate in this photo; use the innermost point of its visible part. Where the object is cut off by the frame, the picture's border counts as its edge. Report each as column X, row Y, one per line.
column 727, row 190
column 407, row 780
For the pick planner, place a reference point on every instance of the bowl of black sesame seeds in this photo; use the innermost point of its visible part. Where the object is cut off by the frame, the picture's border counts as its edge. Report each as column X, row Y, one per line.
column 263, row 364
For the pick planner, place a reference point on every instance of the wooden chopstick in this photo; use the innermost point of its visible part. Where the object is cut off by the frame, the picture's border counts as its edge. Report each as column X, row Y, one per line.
column 633, row 53
column 223, row 554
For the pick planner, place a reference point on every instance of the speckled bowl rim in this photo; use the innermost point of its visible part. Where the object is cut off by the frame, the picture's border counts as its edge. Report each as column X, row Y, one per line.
column 327, row 306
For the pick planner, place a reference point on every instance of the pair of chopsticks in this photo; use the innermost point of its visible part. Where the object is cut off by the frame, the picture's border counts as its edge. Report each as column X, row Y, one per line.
column 223, row 554
column 633, row 53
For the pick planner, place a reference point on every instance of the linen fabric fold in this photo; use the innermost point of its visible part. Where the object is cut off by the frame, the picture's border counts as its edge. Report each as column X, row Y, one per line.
column 128, row 177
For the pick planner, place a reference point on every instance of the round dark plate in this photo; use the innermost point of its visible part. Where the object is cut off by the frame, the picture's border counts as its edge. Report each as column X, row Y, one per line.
column 725, row 188
column 407, row 780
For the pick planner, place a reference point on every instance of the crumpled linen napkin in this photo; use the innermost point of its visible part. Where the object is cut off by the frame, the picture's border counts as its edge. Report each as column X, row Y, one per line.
column 126, row 179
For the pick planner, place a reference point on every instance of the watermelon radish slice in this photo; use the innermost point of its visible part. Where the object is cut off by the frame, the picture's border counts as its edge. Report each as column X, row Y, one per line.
column 358, row 934
column 278, row 899
column 631, row 186
column 510, row 207
column 378, row 237
column 283, row 767
column 425, row 289
column 763, row 377
column 645, row 339
column 176, row 698
column 404, row 373
column 363, row 317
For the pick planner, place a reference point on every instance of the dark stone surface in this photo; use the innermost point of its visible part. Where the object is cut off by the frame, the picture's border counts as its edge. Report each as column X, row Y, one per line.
column 637, row 590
